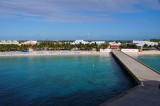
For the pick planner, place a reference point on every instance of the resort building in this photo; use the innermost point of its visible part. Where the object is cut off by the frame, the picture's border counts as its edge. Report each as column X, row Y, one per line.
column 30, row 42
column 114, row 45
column 97, row 42
column 86, row 42
column 9, row 42
column 79, row 41
column 140, row 44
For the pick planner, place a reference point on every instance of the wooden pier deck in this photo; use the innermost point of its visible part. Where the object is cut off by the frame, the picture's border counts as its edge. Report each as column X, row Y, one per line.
column 146, row 93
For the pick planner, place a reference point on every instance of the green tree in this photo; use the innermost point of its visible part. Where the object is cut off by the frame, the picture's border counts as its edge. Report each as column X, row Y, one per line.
column 154, row 40
column 145, row 46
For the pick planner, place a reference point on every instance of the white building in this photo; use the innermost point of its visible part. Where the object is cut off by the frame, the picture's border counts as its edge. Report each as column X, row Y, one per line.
column 140, row 44
column 97, row 42
column 9, row 42
column 79, row 41
column 86, row 42
column 30, row 42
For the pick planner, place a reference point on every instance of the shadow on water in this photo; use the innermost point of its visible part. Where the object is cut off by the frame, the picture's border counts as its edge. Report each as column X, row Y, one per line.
column 124, row 71
column 147, row 95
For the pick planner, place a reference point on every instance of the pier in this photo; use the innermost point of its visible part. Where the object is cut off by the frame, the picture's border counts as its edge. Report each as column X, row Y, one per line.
column 147, row 91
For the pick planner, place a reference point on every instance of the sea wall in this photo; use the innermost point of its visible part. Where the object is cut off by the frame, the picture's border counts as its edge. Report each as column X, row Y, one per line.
column 105, row 50
column 130, row 50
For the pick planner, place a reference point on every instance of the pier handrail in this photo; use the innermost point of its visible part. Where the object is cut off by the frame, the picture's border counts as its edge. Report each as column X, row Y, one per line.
column 143, row 64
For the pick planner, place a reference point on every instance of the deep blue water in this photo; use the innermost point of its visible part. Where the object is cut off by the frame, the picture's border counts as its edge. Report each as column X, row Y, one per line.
column 150, row 60
column 60, row 81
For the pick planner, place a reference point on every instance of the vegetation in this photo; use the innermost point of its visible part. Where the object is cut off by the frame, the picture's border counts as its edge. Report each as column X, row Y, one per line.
column 129, row 46
column 53, row 45
column 146, row 47
column 155, row 40
column 13, row 47
column 48, row 45
column 104, row 45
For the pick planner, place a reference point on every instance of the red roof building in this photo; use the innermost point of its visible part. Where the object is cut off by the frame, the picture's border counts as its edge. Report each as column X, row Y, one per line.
column 114, row 45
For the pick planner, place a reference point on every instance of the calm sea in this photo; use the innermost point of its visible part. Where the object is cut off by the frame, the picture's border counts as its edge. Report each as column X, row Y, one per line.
column 60, row 81
column 150, row 60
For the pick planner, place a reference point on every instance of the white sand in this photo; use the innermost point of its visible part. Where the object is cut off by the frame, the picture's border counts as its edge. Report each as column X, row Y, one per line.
column 65, row 53
column 144, row 53
column 51, row 53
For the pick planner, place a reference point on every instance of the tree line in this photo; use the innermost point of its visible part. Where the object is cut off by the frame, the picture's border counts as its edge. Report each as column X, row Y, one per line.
column 128, row 46
column 149, row 47
column 53, row 46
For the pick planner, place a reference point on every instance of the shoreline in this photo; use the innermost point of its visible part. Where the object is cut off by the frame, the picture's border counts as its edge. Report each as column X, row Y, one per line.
column 72, row 53
column 147, row 53
column 52, row 53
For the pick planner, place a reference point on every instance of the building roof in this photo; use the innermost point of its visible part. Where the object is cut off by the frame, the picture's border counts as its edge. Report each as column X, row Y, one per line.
column 114, row 43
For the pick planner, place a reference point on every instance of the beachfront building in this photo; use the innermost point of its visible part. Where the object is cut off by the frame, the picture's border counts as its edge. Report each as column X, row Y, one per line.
column 97, row 42
column 79, row 42
column 114, row 45
column 9, row 42
column 140, row 44
column 30, row 42
column 86, row 42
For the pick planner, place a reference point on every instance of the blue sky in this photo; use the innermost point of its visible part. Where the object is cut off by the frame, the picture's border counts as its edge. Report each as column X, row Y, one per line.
column 79, row 19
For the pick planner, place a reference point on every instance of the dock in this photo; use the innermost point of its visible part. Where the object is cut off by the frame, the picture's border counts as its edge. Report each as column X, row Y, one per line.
column 147, row 91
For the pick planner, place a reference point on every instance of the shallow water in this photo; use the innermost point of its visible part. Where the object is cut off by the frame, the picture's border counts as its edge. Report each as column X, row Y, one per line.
column 60, row 81
column 150, row 60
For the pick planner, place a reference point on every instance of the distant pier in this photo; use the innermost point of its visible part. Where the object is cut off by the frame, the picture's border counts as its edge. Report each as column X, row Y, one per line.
column 146, row 93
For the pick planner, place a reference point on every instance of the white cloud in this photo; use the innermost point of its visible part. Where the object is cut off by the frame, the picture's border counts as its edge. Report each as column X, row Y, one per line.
column 74, row 10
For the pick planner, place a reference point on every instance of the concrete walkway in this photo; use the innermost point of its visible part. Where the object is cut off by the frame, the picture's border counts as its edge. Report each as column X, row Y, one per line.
column 147, row 93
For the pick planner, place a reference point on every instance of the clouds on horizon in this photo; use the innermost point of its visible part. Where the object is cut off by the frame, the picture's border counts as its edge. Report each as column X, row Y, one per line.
column 74, row 10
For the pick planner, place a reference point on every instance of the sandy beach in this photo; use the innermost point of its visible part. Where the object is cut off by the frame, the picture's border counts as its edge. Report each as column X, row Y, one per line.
column 144, row 53
column 51, row 53
column 65, row 53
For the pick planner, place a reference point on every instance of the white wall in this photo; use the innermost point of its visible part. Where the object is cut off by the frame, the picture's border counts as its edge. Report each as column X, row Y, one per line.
column 105, row 50
column 79, row 41
column 97, row 42
column 129, row 50
column 142, row 43
column 9, row 42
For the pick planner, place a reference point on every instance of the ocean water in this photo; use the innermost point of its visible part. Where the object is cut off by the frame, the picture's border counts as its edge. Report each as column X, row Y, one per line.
column 150, row 60
column 60, row 81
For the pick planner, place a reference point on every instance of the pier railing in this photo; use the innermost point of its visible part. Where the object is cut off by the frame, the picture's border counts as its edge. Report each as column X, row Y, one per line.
column 142, row 63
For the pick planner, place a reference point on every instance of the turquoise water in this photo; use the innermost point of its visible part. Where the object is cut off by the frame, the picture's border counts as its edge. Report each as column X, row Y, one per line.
column 60, row 81
column 150, row 60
